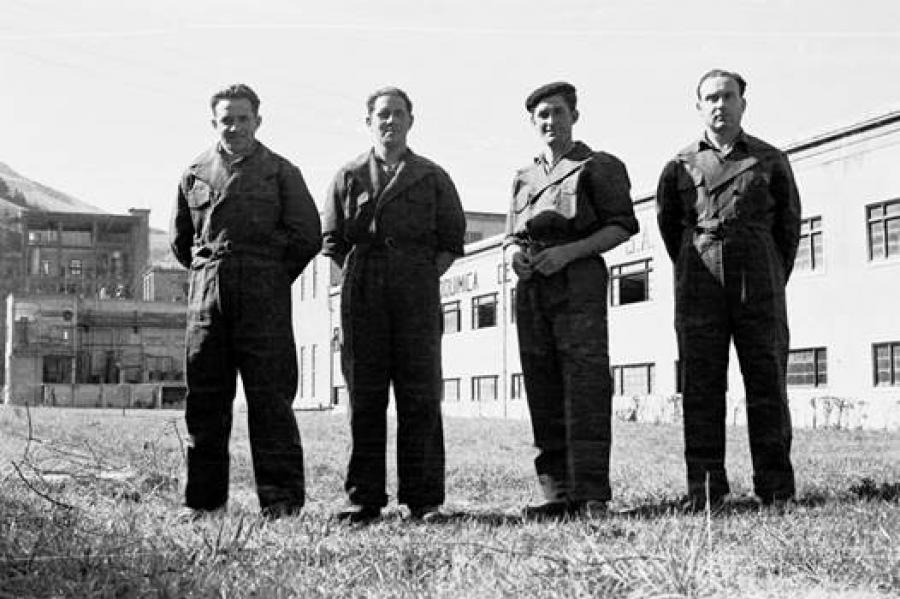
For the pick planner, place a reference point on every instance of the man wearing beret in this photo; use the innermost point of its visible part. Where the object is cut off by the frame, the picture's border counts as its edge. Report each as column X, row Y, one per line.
column 729, row 214
column 569, row 205
column 394, row 223
column 245, row 226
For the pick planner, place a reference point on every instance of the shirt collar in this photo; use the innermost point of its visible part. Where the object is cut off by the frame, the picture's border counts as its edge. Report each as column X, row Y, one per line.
column 739, row 142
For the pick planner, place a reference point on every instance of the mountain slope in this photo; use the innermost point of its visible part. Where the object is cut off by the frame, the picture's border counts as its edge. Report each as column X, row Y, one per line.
column 43, row 198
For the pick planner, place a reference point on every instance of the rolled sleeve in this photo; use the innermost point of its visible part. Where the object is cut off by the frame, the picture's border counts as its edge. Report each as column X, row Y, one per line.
column 611, row 194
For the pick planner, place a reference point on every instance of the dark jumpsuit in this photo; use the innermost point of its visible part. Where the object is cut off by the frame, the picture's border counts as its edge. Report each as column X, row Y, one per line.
column 245, row 231
column 562, row 318
column 731, row 225
column 386, row 231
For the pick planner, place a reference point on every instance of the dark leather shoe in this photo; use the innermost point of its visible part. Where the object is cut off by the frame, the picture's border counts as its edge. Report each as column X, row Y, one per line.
column 426, row 513
column 550, row 510
column 593, row 508
column 359, row 514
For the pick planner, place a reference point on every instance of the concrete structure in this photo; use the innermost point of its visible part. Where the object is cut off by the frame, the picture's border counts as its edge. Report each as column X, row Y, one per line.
column 90, row 255
column 66, row 342
column 842, row 299
column 165, row 284
column 85, row 254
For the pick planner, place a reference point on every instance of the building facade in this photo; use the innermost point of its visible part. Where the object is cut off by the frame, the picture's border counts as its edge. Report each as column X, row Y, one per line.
column 62, row 343
column 844, row 364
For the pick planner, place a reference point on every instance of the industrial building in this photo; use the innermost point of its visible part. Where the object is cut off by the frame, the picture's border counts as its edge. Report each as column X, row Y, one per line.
column 844, row 366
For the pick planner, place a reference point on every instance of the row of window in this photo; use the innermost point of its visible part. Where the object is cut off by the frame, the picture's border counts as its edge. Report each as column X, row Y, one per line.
column 483, row 388
column 483, row 312
column 806, row 368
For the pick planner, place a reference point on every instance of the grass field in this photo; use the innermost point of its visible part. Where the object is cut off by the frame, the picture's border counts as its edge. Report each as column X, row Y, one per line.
column 88, row 501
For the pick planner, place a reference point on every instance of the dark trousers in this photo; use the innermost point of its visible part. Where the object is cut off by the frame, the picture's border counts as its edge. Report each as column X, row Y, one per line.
column 239, row 321
column 563, row 343
column 708, row 316
column 390, row 310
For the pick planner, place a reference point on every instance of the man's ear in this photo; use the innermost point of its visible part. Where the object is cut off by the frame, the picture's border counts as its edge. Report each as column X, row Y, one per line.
column 574, row 115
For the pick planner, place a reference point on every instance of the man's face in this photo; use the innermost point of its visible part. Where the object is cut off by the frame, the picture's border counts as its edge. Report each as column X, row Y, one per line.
column 236, row 124
column 553, row 119
column 721, row 105
column 389, row 121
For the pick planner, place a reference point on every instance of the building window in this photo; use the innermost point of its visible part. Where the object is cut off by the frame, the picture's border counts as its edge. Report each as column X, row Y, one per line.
column 315, row 278
column 339, row 395
column 302, row 371
column 312, row 370
column 452, row 317
column 45, row 268
column 810, row 253
column 886, row 359
column 473, row 236
column 484, row 388
column 484, row 311
column 76, row 238
column 633, row 379
column 302, row 285
column 808, row 367
column 884, row 230
column 450, row 390
column 512, row 304
column 630, row 283
column 75, row 267
column 336, row 340
column 517, row 386
column 42, row 236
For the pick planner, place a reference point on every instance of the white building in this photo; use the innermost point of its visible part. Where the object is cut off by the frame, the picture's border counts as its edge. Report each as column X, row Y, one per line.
column 842, row 304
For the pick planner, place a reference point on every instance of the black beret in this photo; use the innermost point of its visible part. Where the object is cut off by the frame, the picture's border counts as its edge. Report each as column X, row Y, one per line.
column 545, row 91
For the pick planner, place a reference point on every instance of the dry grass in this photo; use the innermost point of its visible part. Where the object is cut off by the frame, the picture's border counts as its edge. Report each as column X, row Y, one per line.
column 87, row 509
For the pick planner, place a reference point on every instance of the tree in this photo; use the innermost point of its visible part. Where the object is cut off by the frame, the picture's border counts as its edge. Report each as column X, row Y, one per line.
column 4, row 188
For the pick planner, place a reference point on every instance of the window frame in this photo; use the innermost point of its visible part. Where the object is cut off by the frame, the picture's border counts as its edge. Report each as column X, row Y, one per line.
column 820, row 356
column 616, row 276
column 476, row 303
column 883, row 219
column 476, row 389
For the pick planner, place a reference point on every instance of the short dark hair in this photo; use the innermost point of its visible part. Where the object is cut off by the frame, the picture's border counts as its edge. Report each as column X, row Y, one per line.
column 236, row 91
column 387, row 91
column 741, row 82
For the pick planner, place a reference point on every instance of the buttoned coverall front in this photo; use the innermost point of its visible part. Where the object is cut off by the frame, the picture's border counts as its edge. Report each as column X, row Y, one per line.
column 562, row 318
column 245, row 231
column 387, row 231
column 731, row 225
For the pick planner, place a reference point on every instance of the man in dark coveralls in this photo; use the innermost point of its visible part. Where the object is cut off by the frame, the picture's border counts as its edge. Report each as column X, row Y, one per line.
column 568, row 206
column 394, row 222
column 245, row 226
column 729, row 214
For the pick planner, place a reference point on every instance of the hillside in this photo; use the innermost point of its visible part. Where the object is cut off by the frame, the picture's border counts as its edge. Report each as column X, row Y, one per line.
column 43, row 198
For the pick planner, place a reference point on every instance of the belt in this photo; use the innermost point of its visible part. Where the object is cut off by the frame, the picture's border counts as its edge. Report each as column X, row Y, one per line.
column 228, row 247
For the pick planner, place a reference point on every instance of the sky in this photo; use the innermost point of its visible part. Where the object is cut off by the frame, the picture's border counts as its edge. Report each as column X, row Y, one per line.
column 107, row 100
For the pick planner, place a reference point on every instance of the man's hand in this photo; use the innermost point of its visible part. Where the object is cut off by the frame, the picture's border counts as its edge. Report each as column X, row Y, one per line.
column 552, row 260
column 521, row 265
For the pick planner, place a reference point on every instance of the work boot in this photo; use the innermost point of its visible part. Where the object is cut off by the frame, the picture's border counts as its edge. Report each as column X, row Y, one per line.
column 426, row 513
column 359, row 514
column 549, row 510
